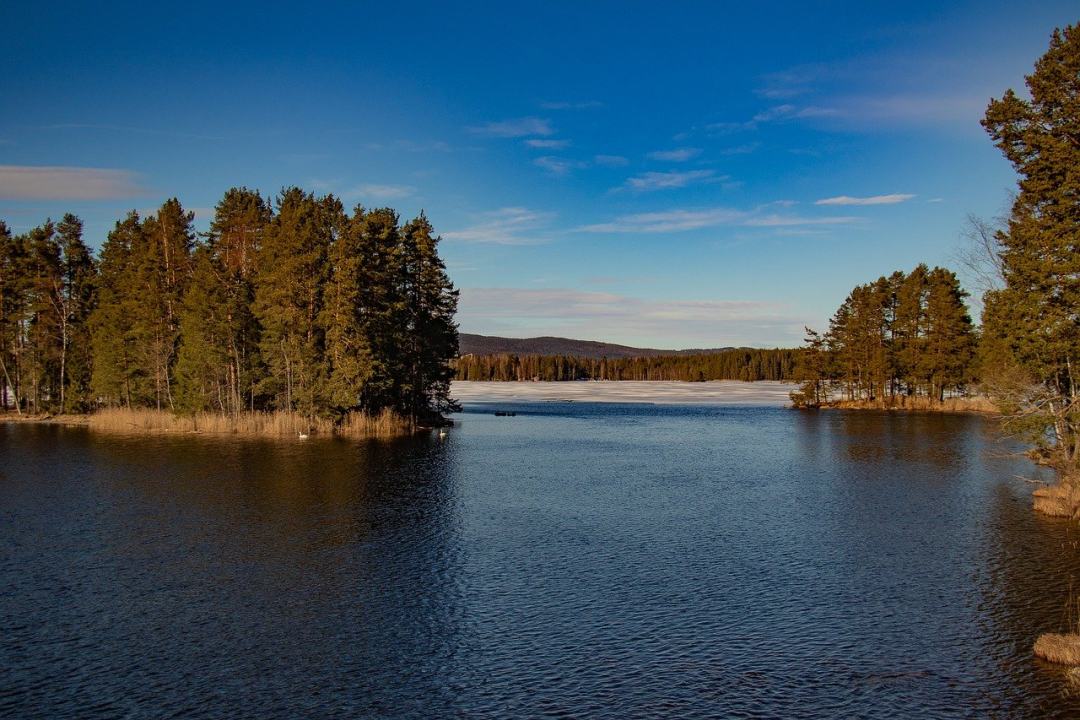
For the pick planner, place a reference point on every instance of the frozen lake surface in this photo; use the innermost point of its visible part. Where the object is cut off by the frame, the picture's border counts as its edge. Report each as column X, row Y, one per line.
column 717, row 392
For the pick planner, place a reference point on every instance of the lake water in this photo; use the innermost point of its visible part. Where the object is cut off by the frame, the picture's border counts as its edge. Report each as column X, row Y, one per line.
column 580, row 559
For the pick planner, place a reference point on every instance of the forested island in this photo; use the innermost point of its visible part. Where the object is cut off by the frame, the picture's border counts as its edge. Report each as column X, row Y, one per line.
column 285, row 317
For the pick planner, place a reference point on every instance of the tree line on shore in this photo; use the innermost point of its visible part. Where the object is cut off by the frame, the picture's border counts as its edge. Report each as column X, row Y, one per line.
column 295, row 306
column 905, row 335
column 736, row 364
column 910, row 334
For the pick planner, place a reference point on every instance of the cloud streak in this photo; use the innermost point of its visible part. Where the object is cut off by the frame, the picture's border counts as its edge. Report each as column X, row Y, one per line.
column 683, row 220
column 892, row 199
column 559, row 166
column 652, row 181
column 676, row 155
column 611, row 160
column 505, row 226
column 669, row 221
column 518, row 127
column 381, row 192
column 25, row 182
column 563, row 105
column 550, row 144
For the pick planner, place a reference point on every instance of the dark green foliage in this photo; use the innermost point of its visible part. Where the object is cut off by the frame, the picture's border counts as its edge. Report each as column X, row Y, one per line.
column 430, row 306
column 1032, row 323
column 740, row 364
column 117, row 377
column 219, row 361
column 47, row 290
column 305, row 309
column 293, row 271
column 901, row 335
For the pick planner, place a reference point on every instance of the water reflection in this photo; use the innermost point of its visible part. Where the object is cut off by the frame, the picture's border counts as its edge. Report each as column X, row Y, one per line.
column 576, row 559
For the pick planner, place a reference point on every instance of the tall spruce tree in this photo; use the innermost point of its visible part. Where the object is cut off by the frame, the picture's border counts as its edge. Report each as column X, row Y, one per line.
column 161, row 262
column 43, row 324
column 218, row 361
column 1035, row 316
column 292, row 271
column 13, row 274
column 344, row 315
column 118, row 378
column 75, row 301
column 430, row 306
column 384, row 309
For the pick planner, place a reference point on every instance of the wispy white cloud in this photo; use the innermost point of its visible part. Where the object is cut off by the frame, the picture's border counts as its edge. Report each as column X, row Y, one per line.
column 505, row 226
column 676, row 155
column 892, row 199
column 795, row 220
column 779, row 113
column 550, row 144
column 744, row 149
column 667, row 221
column 650, row 181
column 685, row 219
column 26, row 182
column 611, row 160
column 905, row 109
column 565, row 105
column 415, row 146
column 559, row 166
column 518, row 127
column 613, row 316
column 381, row 192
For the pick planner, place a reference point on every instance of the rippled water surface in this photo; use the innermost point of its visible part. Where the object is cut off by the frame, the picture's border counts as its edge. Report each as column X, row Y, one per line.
column 576, row 560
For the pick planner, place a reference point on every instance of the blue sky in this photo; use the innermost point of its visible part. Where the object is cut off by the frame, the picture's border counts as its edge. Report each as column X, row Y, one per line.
column 698, row 175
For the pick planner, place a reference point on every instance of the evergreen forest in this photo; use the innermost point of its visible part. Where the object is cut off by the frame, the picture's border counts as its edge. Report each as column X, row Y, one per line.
column 294, row 305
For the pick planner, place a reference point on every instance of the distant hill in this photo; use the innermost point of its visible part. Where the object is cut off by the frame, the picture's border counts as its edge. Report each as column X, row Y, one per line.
column 490, row 345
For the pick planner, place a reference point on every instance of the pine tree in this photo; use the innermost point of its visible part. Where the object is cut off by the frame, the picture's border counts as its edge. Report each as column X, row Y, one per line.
column 161, row 263
column 218, row 361
column 431, row 302
column 76, row 302
column 13, row 276
column 909, row 328
column 950, row 340
column 348, row 354
column 383, row 306
column 117, row 377
column 1035, row 314
column 43, row 323
column 204, row 376
column 288, row 300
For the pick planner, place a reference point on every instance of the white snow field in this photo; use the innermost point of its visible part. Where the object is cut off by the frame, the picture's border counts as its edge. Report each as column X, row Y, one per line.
column 717, row 392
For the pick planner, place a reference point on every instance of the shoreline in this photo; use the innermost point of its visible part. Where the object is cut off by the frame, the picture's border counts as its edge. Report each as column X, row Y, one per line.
column 265, row 425
column 950, row 406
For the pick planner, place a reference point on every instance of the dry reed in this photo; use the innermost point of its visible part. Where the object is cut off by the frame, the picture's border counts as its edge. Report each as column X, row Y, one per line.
column 921, row 403
column 385, row 424
column 1061, row 500
column 255, row 424
column 1058, row 648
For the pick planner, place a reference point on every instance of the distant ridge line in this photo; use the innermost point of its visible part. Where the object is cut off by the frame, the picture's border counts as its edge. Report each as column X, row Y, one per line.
column 471, row 344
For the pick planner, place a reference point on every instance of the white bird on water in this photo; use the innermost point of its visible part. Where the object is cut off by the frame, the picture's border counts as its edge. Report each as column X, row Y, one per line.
column 302, row 435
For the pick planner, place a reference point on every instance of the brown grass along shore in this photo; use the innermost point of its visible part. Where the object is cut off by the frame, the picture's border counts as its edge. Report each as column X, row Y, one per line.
column 144, row 421
column 977, row 404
